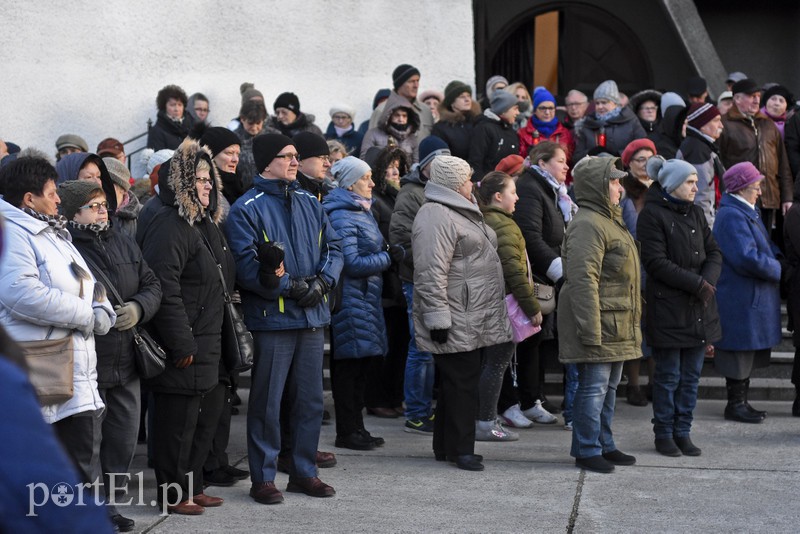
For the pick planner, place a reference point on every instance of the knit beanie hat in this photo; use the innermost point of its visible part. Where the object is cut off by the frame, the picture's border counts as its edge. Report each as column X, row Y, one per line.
column 380, row 96
column 542, row 95
column 501, row 102
column 75, row 193
column 453, row 90
column 450, row 172
column 635, row 146
column 218, row 139
column 430, row 147
column 349, row 170
column 309, row 144
column 72, row 141
column 491, row 82
column 288, row 101
column 608, row 91
column 119, row 172
column 343, row 108
column 696, row 86
column 151, row 159
column 669, row 173
column 510, row 164
column 701, row 114
column 740, row 176
column 248, row 91
column 670, row 99
column 402, row 73
column 266, row 147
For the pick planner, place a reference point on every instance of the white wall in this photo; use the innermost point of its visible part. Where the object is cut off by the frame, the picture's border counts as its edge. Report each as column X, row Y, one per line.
column 94, row 68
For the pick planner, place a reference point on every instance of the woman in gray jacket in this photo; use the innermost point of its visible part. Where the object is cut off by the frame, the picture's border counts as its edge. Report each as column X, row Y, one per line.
column 459, row 311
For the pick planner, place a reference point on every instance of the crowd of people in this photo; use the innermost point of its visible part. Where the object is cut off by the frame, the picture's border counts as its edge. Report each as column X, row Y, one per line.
column 449, row 246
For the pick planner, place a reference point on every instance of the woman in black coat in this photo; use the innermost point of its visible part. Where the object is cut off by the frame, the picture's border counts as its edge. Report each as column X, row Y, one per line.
column 173, row 124
column 182, row 243
column 457, row 114
column 683, row 263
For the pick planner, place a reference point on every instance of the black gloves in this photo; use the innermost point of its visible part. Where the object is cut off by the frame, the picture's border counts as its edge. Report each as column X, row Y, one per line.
column 440, row 336
column 396, row 252
column 270, row 256
column 706, row 293
column 317, row 289
column 297, row 288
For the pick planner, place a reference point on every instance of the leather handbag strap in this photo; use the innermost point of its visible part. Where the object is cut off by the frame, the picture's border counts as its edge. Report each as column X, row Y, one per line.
column 219, row 265
column 105, row 281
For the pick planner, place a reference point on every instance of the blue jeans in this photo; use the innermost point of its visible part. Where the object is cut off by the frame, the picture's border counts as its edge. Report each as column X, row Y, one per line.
column 593, row 408
column 418, row 385
column 570, row 387
column 675, row 384
column 290, row 359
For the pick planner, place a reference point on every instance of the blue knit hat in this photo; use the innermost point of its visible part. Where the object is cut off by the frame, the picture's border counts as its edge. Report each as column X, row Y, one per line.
column 349, row 170
column 542, row 95
column 430, row 147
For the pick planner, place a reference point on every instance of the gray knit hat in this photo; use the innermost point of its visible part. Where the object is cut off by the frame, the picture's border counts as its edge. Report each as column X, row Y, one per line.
column 119, row 172
column 450, row 171
column 502, row 101
column 669, row 173
column 349, row 170
column 76, row 193
column 607, row 90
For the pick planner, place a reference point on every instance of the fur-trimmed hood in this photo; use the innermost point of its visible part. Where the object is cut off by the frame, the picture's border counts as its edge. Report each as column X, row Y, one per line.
column 182, row 187
column 448, row 115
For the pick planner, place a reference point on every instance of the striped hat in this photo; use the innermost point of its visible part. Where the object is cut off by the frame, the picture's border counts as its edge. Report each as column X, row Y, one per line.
column 701, row 114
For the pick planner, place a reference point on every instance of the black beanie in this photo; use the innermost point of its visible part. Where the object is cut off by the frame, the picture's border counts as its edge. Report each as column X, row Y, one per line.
column 218, row 139
column 453, row 90
column 309, row 144
column 266, row 147
column 402, row 73
column 288, row 101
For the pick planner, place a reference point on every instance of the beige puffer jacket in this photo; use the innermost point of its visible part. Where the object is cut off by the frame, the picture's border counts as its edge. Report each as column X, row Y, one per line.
column 458, row 277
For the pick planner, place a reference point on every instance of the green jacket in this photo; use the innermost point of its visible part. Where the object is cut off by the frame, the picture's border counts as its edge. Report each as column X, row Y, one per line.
column 599, row 307
column 513, row 256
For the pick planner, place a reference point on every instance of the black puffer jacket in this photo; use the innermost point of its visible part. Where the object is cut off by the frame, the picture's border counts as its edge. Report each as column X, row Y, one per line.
column 120, row 260
column 167, row 133
column 455, row 129
column 540, row 220
column 189, row 321
column 382, row 208
column 619, row 131
column 678, row 253
column 492, row 140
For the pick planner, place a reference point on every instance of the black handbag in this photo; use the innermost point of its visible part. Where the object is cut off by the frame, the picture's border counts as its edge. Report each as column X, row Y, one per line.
column 238, row 346
column 150, row 358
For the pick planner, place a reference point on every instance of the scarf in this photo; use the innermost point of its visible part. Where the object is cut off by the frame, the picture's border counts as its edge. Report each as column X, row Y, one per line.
column 565, row 204
column 96, row 228
column 341, row 131
column 365, row 203
column 58, row 222
column 545, row 128
column 608, row 116
column 780, row 120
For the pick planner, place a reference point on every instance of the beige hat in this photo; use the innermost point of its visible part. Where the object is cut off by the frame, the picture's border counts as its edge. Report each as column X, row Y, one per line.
column 450, row 172
column 119, row 172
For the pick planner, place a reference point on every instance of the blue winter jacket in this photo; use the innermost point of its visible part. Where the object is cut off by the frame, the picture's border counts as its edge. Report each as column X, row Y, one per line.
column 351, row 139
column 357, row 325
column 748, row 294
column 282, row 212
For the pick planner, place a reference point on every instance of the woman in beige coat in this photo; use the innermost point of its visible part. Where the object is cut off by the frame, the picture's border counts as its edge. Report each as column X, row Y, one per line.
column 459, row 311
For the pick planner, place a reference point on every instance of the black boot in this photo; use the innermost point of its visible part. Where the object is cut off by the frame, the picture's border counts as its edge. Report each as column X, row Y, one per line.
column 736, row 410
column 760, row 413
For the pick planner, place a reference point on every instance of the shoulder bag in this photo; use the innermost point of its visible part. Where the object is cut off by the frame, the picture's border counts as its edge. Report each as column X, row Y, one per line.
column 50, row 367
column 521, row 325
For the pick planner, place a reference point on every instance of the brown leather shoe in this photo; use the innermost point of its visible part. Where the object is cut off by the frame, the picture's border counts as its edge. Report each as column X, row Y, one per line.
column 187, row 507
column 385, row 413
column 325, row 459
column 266, row 493
column 207, row 501
column 311, row 486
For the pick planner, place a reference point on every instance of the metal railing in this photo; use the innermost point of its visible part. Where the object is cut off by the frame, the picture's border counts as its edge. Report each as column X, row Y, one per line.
column 136, row 138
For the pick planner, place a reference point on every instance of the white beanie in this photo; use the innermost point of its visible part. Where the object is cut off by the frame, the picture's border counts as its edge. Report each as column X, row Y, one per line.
column 450, row 172
column 152, row 159
column 343, row 108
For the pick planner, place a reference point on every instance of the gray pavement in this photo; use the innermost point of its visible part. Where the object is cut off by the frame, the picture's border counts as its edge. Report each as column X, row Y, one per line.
column 747, row 480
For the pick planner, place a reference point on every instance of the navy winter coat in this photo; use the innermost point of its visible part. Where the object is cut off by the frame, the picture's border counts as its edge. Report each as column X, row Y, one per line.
column 351, row 139
column 748, row 291
column 358, row 327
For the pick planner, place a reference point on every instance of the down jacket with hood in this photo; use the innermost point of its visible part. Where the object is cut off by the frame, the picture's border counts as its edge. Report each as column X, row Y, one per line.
column 458, row 276
column 384, row 133
column 492, row 140
column 70, row 165
column 599, row 307
column 357, row 326
column 619, row 130
column 189, row 321
column 43, row 299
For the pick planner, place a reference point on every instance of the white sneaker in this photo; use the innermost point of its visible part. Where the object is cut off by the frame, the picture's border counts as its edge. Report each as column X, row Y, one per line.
column 514, row 418
column 538, row 414
column 493, row 431
column 568, row 425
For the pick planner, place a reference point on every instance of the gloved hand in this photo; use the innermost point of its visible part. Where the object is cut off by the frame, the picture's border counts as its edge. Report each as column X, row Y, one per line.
column 297, row 288
column 440, row 336
column 270, row 257
column 397, row 253
column 706, row 292
column 128, row 315
column 102, row 321
column 317, row 288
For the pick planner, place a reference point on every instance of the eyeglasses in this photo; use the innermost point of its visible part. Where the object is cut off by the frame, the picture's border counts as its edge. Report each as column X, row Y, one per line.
column 641, row 159
column 95, row 206
column 340, row 117
column 648, row 108
column 326, row 159
column 756, row 187
column 203, row 181
column 546, row 109
column 288, row 157
column 576, row 104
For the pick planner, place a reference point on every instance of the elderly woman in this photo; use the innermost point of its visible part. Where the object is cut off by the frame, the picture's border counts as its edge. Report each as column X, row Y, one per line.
column 342, row 128
column 599, row 310
column 748, row 292
column 187, row 251
column 48, row 293
column 114, row 256
column 459, row 311
column 683, row 262
column 357, row 326
column 173, row 124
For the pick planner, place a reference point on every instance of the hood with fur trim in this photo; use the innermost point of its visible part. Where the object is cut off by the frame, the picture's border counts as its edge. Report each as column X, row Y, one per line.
column 183, row 188
column 448, row 115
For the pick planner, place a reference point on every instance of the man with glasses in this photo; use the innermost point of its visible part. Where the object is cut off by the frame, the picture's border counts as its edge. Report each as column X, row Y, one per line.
column 544, row 126
column 749, row 135
column 315, row 161
column 288, row 258
column 576, row 103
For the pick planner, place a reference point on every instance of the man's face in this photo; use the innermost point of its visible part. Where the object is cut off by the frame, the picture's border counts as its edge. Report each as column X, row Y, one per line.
column 67, row 150
column 576, row 107
column 713, row 128
column 747, row 104
column 409, row 89
column 315, row 167
column 284, row 166
column 285, row 116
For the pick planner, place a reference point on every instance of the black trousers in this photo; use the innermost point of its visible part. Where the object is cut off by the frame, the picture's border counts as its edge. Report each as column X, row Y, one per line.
column 530, row 371
column 457, row 404
column 348, row 382
column 385, row 375
column 218, row 455
column 80, row 434
column 183, row 430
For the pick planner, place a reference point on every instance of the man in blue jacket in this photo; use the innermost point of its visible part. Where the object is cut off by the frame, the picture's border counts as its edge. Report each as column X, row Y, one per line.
column 288, row 258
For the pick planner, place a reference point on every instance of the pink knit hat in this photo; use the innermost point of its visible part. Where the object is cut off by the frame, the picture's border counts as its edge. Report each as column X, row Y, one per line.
column 740, row 176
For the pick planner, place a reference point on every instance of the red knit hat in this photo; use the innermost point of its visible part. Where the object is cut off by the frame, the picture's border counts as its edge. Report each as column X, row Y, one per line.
column 701, row 114
column 635, row 146
column 510, row 164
